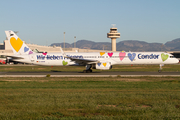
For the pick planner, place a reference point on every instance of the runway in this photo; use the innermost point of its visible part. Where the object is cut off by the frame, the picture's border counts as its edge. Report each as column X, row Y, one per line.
column 93, row 74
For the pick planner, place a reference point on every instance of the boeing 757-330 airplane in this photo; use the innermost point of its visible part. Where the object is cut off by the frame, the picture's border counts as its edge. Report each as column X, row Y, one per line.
column 92, row 60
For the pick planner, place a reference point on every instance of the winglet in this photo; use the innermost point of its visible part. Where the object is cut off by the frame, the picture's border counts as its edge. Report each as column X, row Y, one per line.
column 64, row 54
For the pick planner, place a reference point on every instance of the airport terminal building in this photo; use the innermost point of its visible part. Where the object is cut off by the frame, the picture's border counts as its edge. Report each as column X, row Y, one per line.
column 5, row 48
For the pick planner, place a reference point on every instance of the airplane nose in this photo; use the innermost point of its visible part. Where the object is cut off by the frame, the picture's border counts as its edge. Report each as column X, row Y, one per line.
column 178, row 61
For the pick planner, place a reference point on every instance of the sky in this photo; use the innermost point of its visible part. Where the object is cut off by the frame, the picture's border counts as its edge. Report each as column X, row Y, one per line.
column 44, row 22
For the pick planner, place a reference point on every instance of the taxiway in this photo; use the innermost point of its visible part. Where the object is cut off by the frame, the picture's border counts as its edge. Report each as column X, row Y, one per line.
column 93, row 74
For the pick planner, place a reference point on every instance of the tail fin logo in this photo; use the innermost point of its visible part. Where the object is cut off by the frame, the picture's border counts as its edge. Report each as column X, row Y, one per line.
column 26, row 49
column 16, row 44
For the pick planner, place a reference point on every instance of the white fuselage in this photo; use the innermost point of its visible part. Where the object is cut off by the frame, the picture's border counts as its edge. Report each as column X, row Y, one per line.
column 114, row 58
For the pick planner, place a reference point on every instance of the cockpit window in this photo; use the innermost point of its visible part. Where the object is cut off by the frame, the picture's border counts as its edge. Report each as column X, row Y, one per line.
column 172, row 57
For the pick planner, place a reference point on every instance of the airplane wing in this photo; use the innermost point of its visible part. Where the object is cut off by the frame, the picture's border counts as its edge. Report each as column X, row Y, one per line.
column 80, row 61
column 83, row 61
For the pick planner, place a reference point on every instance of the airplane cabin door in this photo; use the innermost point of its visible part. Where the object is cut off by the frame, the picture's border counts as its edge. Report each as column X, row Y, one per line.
column 32, row 58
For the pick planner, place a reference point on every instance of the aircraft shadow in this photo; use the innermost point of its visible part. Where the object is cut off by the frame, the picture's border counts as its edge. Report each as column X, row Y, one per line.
column 55, row 71
column 71, row 72
column 90, row 72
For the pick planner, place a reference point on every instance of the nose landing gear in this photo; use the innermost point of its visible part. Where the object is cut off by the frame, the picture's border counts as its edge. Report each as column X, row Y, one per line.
column 160, row 68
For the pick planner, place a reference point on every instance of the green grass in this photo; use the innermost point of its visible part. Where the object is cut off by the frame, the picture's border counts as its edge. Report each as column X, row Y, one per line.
column 17, row 68
column 90, row 98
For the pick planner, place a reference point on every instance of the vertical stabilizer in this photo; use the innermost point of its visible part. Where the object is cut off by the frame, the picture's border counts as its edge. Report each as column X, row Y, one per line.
column 17, row 45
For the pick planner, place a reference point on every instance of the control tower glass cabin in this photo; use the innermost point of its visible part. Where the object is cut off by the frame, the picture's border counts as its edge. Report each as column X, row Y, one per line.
column 113, row 34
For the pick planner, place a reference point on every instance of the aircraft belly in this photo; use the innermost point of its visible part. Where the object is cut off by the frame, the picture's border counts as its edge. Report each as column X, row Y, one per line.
column 60, row 62
column 147, row 61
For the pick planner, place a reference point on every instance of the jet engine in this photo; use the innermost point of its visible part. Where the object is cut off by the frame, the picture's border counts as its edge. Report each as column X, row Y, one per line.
column 102, row 66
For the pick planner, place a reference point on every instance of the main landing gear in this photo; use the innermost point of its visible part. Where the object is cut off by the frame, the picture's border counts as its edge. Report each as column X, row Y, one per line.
column 160, row 68
column 88, row 69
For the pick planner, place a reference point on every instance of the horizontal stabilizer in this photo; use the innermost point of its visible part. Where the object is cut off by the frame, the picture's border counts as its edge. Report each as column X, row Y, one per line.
column 14, row 57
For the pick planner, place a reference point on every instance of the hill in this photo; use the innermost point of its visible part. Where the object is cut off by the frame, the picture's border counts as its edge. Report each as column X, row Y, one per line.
column 174, row 45
column 126, row 45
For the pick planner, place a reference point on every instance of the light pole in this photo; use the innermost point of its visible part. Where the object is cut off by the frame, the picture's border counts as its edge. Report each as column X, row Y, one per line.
column 64, row 40
column 74, row 41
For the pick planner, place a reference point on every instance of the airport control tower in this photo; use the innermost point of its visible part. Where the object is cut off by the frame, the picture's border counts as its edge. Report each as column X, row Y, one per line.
column 113, row 34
